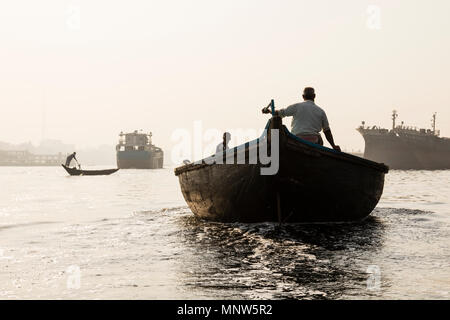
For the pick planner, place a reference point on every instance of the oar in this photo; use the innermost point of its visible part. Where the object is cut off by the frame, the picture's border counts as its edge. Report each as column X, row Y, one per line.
column 271, row 109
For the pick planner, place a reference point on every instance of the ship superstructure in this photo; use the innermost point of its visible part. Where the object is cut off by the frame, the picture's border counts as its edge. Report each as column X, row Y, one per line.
column 403, row 147
column 136, row 151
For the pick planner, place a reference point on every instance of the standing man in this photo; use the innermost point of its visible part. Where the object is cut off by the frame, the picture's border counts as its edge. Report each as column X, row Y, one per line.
column 70, row 158
column 308, row 119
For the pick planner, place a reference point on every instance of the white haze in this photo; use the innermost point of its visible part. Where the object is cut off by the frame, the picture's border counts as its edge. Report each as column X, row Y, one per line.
column 161, row 65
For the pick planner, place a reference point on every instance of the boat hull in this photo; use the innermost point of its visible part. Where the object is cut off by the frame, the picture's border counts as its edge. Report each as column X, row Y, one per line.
column 313, row 184
column 77, row 172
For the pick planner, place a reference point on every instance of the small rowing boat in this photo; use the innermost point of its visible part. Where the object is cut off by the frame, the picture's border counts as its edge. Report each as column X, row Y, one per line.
column 312, row 184
column 78, row 172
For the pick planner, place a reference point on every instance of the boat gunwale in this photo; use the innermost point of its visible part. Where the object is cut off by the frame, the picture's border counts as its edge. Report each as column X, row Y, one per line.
column 314, row 147
column 78, row 172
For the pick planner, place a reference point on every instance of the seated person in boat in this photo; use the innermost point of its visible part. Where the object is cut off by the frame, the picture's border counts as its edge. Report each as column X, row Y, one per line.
column 309, row 119
column 221, row 147
column 70, row 158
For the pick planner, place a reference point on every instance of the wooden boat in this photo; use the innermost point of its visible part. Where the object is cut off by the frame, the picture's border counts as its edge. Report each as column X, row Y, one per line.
column 313, row 184
column 78, row 172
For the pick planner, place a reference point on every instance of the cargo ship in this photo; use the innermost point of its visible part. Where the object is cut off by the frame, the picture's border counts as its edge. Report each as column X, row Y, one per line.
column 403, row 147
column 136, row 151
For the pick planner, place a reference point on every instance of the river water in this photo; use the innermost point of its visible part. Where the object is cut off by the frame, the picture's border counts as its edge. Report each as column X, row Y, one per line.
column 131, row 236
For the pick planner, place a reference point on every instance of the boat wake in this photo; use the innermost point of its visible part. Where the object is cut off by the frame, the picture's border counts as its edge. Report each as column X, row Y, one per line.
column 265, row 260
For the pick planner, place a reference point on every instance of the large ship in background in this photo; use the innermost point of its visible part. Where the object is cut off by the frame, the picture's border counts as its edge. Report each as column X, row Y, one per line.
column 136, row 151
column 405, row 148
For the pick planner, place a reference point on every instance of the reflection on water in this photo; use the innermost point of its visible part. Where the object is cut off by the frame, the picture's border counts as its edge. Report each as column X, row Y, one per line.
column 319, row 261
column 131, row 236
column 268, row 261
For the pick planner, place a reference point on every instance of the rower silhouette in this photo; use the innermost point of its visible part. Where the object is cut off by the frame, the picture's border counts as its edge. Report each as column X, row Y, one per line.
column 70, row 158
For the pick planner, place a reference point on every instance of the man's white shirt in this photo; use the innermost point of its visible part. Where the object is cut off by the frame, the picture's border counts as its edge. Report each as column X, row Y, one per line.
column 308, row 118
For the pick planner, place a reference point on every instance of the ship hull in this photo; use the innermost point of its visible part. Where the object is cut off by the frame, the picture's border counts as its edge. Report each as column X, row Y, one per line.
column 139, row 159
column 407, row 152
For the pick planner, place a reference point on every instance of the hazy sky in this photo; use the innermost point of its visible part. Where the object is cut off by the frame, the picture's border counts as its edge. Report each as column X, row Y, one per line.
column 102, row 66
